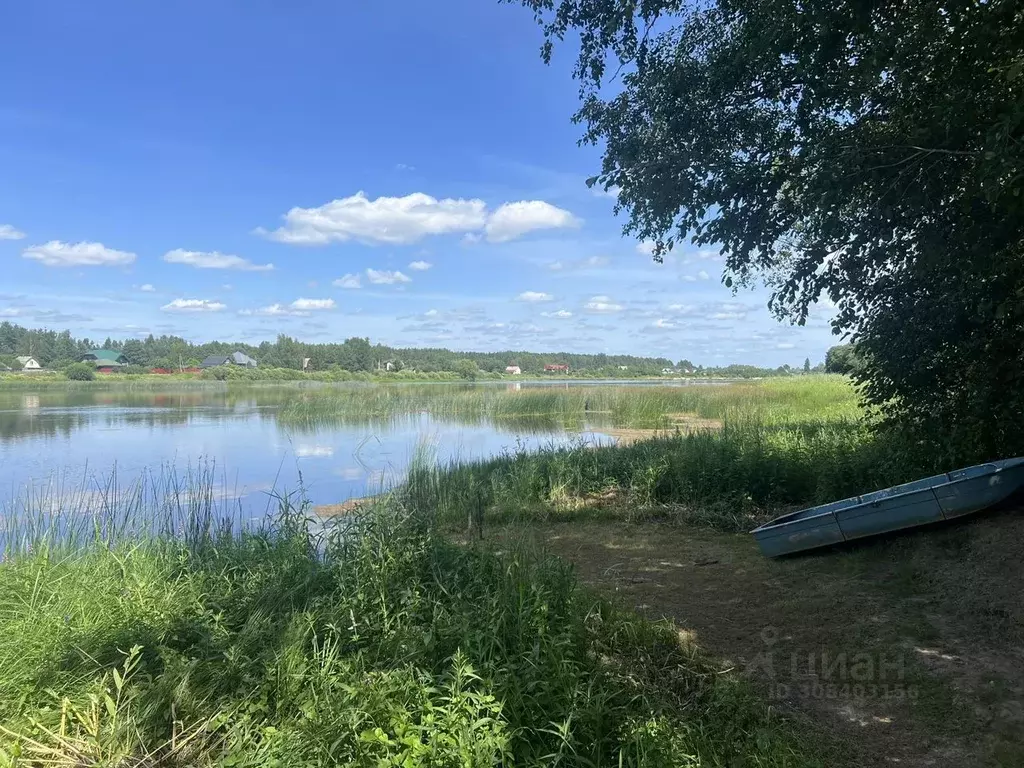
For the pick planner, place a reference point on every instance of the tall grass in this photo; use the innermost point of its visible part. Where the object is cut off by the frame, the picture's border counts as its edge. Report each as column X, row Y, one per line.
column 772, row 401
column 732, row 478
column 383, row 644
column 190, row 504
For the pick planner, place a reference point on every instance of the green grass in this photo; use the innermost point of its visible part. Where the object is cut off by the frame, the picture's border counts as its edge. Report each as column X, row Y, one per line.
column 731, row 479
column 780, row 443
column 383, row 644
column 770, row 401
column 730, row 455
column 212, row 377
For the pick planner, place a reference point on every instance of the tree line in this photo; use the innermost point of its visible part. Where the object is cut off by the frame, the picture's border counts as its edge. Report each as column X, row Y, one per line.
column 59, row 349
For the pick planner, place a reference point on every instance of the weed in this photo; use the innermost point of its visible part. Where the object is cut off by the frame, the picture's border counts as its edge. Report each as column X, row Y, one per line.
column 381, row 644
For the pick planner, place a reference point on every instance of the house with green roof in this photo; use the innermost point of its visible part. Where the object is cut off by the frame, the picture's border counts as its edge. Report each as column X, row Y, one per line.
column 105, row 360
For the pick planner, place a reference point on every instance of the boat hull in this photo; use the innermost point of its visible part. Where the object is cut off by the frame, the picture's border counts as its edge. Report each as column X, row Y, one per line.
column 929, row 500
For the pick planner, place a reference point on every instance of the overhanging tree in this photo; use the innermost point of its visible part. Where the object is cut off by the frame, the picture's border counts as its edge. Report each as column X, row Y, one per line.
column 867, row 151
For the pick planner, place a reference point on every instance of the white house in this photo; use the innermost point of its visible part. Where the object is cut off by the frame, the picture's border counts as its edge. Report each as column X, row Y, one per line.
column 515, row 370
column 28, row 363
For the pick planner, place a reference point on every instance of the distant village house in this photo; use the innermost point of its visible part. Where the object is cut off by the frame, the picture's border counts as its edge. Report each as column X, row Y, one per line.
column 28, row 363
column 235, row 358
column 515, row 370
column 556, row 368
column 104, row 360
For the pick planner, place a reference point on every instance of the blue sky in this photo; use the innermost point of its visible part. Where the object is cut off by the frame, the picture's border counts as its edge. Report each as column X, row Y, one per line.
column 405, row 171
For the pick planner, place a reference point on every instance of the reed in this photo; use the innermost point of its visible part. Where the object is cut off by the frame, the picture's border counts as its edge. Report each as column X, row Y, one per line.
column 284, row 643
column 731, row 478
column 772, row 401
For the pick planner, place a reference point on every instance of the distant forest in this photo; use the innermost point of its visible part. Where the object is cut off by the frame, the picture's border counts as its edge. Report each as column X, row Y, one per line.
column 56, row 350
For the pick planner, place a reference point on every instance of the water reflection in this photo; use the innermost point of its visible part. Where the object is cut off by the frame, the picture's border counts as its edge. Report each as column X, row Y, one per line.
column 81, row 434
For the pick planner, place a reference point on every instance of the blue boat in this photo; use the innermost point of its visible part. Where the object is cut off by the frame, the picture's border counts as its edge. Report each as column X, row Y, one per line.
column 942, row 497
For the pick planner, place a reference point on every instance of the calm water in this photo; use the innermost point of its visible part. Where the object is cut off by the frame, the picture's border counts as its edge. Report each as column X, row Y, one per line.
column 54, row 439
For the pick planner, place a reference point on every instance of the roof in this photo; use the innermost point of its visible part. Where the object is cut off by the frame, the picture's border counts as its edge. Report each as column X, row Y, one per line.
column 213, row 361
column 24, row 358
column 103, row 354
column 240, row 358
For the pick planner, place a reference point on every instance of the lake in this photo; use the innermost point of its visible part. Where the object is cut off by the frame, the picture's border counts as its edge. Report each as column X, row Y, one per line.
column 60, row 441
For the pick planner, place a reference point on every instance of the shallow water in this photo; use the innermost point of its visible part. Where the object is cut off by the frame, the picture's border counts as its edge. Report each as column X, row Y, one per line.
column 60, row 441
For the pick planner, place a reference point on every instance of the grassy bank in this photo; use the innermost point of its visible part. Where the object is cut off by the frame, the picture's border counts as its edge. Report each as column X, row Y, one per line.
column 385, row 645
column 214, row 376
column 729, row 455
column 730, row 478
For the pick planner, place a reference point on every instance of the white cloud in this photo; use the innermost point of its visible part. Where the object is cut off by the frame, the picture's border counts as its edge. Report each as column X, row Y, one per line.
column 58, row 254
column 513, row 220
column 408, row 219
column 8, row 232
column 688, row 279
column 556, row 266
column 193, row 305
column 384, row 277
column 663, row 323
column 727, row 315
column 298, row 308
column 561, row 314
column 430, row 313
column 534, row 296
column 420, row 266
column 348, row 281
column 304, row 305
column 710, row 253
column 9, row 312
column 602, row 305
column 703, row 275
column 147, row 288
column 213, row 260
column 785, row 345
column 645, row 247
column 392, row 220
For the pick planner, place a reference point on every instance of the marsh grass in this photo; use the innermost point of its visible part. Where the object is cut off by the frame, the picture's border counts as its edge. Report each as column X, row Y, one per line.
column 731, row 478
column 771, row 401
column 288, row 644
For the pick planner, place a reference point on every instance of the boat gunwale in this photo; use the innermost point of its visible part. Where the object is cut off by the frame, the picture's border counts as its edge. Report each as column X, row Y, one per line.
column 781, row 521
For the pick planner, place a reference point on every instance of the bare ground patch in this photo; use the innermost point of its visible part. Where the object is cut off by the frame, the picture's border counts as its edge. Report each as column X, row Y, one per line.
column 343, row 508
column 908, row 650
column 678, row 422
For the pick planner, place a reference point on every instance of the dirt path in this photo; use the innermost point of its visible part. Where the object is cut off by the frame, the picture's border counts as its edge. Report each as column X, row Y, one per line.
column 907, row 649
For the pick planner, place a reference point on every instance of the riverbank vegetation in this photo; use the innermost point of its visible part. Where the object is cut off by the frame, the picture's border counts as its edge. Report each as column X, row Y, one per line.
column 773, row 401
column 731, row 479
column 72, row 376
column 382, row 644
column 728, row 454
